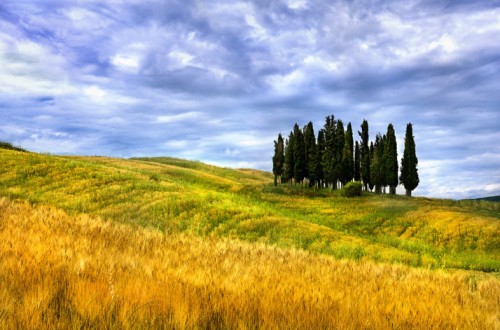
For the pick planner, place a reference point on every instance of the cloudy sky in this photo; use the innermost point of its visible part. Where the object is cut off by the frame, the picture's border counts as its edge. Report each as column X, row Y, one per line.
column 216, row 81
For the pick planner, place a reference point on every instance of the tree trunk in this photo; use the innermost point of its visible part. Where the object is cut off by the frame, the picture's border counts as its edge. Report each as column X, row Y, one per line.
column 378, row 189
column 275, row 180
column 392, row 190
column 408, row 192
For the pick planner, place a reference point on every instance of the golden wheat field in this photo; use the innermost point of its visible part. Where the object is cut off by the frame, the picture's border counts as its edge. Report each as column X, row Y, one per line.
column 61, row 271
column 94, row 242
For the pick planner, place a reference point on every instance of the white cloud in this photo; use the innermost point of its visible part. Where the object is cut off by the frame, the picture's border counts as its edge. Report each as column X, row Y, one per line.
column 169, row 119
column 94, row 92
column 126, row 63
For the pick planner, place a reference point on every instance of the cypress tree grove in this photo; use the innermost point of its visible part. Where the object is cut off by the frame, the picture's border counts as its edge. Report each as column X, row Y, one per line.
column 278, row 159
column 299, row 155
column 334, row 158
column 409, row 172
column 357, row 173
column 391, row 160
column 289, row 158
column 365, row 154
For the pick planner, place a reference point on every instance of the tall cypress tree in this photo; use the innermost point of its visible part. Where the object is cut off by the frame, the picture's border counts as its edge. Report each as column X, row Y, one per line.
column 391, row 160
column 329, row 153
column 289, row 158
column 371, row 154
column 311, row 153
column 299, row 155
column 278, row 159
column 383, row 167
column 347, row 157
column 365, row 154
column 339, row 149
column 376, row 165
column 320, row 174
column 357, row 170
column 409, row 172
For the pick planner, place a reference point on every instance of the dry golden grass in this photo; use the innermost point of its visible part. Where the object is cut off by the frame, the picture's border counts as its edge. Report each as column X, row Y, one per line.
column 63, row 271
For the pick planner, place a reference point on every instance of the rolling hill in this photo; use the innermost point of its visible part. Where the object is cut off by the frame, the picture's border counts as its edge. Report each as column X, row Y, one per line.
column 94, row 241
column 490, row 199
column 174, row 195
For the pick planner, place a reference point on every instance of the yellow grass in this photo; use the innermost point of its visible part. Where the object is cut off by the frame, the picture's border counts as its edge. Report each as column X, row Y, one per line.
column 77, row 271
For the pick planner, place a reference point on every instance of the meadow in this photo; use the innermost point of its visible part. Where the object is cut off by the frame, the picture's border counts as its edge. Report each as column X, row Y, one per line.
column 162, row 242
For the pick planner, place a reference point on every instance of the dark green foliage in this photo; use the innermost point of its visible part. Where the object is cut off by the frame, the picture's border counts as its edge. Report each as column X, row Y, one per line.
column 9, row 146
column 376, row 165
column 371, row 154
column 289, row 158
column 320, row 174
column 352, row 189
column 329, row 153
column 334, row 159
column 489, row 199
column 357, row 163
column 409, row 172
column 391, row 160
column 310, row 153
column 339, row 149
column 347, row 157
column 299, row 155
column 365, row 154
column 278, row 158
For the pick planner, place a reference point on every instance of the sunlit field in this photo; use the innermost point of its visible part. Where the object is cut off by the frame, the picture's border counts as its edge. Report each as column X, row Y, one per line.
column 61, row 271
column 175, row 196
column 161, row 242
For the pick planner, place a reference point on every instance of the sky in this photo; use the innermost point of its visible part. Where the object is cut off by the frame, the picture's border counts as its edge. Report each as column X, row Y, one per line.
column 216, row 81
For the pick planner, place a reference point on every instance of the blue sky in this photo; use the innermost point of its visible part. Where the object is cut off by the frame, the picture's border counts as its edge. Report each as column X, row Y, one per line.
column 216, row 81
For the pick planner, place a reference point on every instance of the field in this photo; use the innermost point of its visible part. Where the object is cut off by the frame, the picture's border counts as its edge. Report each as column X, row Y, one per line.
column 160, row 242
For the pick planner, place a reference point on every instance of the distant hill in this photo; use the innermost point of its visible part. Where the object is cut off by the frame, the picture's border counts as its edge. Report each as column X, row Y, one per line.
column 489, row 199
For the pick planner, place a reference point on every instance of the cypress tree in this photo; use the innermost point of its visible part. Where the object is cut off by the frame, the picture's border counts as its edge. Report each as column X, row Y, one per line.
column 409, row 172
column 278, row 158
column 383, row 168
column 376, row 165
column 371, row 153
column 289, row 158
column 347, row 157
column 365, row 154
column 329, row 152
column 320, row 174
column 311, row 153
column 339, row 148
column 299, row 155
column 357, row 173
column 391, row 160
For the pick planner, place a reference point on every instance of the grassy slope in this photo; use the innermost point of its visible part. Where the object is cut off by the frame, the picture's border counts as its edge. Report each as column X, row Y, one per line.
column 180, row 196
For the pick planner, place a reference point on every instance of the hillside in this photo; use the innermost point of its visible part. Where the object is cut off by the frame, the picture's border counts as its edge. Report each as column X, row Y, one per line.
column 490, row 199
column 174, row 196
column 96, row 242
